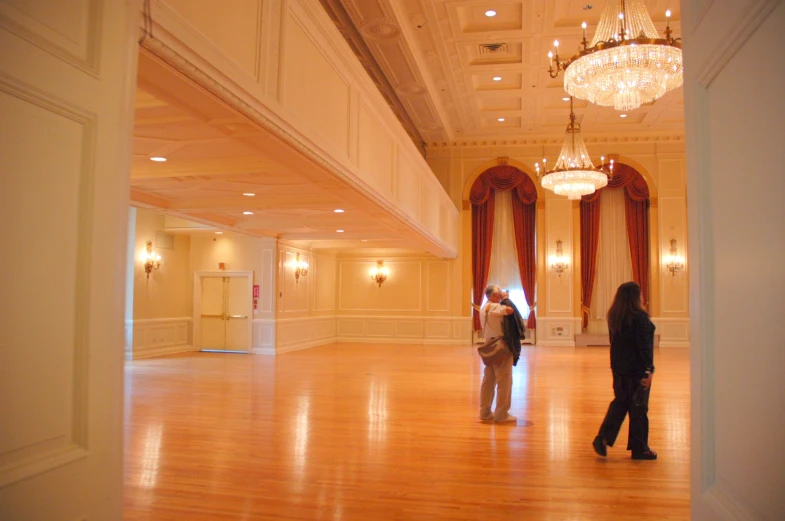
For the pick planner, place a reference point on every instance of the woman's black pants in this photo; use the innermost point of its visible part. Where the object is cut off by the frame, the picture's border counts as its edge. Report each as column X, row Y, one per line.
column 630, row 397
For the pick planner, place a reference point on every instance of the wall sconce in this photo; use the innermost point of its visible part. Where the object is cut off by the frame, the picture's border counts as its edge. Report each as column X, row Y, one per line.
column 559, row 261
column 300, row 268
column 152, row 261
column 674, row 262
column 379, row 273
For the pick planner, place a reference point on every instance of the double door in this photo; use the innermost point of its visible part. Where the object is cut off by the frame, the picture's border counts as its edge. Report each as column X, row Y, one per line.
column 225, row 313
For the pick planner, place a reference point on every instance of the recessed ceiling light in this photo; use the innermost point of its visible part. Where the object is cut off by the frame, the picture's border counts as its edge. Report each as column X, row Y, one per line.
column 338, row 210
column 247, row 213
column 339, row 231
column 622, row 115
column 490, row 13
column 497, row 78
column 219, row 233
column 566, row 98
column 500, row 119
column 249, row 194
column 158, row 159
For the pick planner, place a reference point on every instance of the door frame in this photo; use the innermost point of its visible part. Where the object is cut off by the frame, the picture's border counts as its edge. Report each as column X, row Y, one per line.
column 197, row 322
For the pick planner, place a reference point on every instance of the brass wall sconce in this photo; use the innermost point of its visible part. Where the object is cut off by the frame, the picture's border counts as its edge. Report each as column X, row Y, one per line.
column 674, row 261
column 559, row 261
column 300, row 268
column 152, row 261
column 379, row 273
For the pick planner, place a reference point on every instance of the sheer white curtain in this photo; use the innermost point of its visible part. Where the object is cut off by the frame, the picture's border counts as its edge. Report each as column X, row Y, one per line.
column 614, row 263
column 504, row 258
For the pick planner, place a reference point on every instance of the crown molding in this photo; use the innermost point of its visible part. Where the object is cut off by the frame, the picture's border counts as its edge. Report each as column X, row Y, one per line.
column 674, row 138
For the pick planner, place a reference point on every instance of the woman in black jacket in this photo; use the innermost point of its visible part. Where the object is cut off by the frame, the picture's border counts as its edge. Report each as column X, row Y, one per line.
column 632, row 362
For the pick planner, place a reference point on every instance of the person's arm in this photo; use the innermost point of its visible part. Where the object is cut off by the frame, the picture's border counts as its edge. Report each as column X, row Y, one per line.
column 498, row 309
column 645, row 340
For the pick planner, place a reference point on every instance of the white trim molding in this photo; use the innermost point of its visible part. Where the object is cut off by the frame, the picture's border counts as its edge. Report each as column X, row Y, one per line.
column 404, row 330
column 674, row 332
column 157, row 337
column 295, row 334
column 557, row 331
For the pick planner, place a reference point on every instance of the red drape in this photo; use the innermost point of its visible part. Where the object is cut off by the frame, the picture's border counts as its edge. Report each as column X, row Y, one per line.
column 590, row 235
column 524, row 208
column 482, row 237
column 636, row 206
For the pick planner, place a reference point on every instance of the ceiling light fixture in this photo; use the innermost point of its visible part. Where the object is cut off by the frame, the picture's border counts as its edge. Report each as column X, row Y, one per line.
column 497, row 78
column 247, row 213
column 622, row 115
column 339, row 231
column 500, row 119
column 490, row 13
column 158, row 159
column 249, row 194
column 627, row 64
column 219, row 233
column 566, row 98
column 574, row 175
column 338, row 210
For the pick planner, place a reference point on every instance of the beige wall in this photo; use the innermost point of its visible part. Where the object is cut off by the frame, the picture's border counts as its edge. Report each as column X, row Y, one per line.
column 288, row 62
column 558, row 298
column 165, row 294
column 238, row 253
column 420, row 302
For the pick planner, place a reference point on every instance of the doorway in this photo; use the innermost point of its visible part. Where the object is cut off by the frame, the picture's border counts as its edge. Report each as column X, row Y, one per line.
column 223, row 311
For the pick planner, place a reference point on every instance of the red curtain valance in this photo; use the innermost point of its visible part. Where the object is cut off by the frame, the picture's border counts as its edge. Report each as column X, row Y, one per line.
column 627, row 177
column 503, row 177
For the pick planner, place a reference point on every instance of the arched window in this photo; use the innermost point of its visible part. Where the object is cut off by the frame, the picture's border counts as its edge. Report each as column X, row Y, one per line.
column 523, row 201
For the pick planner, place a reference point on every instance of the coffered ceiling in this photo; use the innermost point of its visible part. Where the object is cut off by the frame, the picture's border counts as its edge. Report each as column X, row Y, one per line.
column 440, row 58
column 215, row 155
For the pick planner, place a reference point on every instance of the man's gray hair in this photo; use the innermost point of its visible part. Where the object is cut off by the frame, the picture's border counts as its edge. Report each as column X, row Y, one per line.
column 490, row 290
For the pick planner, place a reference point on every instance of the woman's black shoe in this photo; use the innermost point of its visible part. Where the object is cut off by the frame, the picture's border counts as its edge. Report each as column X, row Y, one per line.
column 649, row 454
column 600, row 448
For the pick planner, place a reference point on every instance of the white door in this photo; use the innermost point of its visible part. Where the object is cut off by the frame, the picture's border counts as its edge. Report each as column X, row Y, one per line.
column 224, row 312
column 67, row 82
column 238, row 308
column 213, row 322
column 735, row 110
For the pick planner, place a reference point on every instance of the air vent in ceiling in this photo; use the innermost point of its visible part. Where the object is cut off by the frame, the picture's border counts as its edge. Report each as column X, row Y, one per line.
column 493, row 48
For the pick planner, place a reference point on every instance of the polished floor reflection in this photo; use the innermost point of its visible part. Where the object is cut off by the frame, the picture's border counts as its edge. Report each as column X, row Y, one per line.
column 375, row 432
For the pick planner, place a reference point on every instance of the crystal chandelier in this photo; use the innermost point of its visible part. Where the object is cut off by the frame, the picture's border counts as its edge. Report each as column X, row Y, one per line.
column 627, row 64
column 574, row 175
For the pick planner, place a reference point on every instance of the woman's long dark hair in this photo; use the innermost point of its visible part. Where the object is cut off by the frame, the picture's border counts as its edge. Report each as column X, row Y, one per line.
column 626, row 304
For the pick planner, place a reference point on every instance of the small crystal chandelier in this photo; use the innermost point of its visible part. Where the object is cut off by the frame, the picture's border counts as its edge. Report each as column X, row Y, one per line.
column 574, row 175
column 627, row 64
column 380, row 273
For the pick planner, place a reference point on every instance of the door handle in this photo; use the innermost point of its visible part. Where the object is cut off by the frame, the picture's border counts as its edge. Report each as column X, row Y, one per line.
column 236, row 316
column 212, row 316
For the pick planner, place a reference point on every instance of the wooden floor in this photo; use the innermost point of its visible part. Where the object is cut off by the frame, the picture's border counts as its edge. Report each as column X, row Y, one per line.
column 374, row 432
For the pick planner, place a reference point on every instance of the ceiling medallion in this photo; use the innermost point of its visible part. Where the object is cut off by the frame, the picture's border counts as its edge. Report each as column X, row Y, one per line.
column 380, row 29
column 574, row 175
column 627, row 63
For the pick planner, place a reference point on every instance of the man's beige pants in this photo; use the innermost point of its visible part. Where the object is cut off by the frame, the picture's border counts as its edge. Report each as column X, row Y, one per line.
column 497, row 375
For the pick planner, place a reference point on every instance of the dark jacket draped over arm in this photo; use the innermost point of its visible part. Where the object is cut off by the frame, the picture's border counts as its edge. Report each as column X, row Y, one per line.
column 514, row 330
